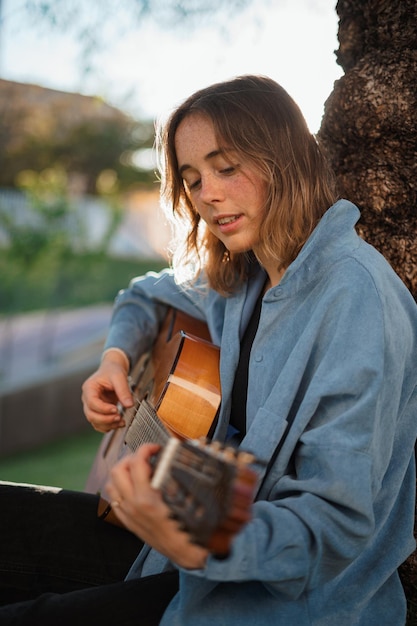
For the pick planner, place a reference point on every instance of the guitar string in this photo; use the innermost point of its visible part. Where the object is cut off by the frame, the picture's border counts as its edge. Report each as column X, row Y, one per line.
column 146, row 427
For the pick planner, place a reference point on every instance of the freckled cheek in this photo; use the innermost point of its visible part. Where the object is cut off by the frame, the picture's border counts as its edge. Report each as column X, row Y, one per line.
column 203, row 213
column 250, row 193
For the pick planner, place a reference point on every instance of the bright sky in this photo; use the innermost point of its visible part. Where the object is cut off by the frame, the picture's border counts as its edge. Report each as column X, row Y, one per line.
column 149, row 70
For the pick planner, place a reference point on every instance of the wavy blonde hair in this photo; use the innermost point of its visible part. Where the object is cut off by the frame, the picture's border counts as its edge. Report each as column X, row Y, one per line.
column 255, row 117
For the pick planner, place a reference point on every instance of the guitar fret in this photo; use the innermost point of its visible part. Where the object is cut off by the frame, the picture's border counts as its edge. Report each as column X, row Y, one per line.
column 146, row 427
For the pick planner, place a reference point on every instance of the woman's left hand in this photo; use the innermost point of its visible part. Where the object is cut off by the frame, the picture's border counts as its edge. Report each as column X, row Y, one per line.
column 142, row 510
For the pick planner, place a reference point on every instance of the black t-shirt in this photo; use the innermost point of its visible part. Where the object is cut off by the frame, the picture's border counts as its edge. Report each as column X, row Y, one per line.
column 240, row 385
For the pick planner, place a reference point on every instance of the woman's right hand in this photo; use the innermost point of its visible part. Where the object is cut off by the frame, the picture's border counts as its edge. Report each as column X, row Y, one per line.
column 105, row 390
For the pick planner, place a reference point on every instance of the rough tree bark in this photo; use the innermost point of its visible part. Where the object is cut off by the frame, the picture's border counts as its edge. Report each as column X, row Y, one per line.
column 370, row 125
column 369, row 130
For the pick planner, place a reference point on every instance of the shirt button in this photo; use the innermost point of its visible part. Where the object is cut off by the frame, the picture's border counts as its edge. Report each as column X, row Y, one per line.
column 258, row 358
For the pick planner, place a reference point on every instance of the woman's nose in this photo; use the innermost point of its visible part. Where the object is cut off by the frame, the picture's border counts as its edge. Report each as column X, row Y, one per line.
column 210, row 189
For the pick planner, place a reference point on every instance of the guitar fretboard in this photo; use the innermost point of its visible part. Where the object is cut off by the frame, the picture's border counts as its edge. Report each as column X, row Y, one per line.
column 146, row 427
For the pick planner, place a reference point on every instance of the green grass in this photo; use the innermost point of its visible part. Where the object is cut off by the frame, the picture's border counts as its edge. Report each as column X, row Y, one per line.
column 65, row 463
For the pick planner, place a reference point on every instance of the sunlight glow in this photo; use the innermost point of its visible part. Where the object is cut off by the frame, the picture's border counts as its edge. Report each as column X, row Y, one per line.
column 151, row 69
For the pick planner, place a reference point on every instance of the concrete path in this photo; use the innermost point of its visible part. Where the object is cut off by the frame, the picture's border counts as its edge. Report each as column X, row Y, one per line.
column 33, row 343
column 44, row 359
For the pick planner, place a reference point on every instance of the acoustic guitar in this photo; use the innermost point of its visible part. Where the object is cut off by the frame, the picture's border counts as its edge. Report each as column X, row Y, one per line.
column 208, row 488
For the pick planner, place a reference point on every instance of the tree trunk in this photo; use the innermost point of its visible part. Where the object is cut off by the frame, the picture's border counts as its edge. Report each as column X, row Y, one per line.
column 369, row 130
column 370, row 125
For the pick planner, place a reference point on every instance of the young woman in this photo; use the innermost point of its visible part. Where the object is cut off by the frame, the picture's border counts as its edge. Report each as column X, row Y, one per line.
column 318, row 341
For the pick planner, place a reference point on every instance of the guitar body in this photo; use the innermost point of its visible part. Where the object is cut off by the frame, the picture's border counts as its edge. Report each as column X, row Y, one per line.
column 209, row 488
column 179, row 378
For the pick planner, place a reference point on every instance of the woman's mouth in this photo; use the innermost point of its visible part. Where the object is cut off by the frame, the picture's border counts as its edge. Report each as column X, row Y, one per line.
column 229, row 224
column 223, row 221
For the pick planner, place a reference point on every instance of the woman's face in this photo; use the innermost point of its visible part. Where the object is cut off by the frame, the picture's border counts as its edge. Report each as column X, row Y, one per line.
column 228, row 193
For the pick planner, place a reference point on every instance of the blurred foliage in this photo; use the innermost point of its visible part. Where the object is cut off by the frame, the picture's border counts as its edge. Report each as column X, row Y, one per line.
column 42, row 128
column 97, row 22
column 84, row 279
column 49, row 222
column 47, row 261
column 42, row 229
column 89, row 18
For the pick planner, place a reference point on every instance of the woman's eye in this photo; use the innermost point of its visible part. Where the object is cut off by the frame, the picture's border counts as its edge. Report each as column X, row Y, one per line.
column 228, row 170
column 193, row 185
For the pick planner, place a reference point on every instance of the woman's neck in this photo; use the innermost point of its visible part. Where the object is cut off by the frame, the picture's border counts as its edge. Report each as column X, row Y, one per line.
column 274, row 277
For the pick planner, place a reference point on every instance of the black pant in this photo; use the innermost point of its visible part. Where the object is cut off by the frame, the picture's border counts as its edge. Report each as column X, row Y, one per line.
column 60, row 564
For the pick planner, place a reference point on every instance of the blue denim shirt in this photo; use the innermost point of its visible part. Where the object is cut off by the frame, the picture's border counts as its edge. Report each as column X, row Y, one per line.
column 332, row 409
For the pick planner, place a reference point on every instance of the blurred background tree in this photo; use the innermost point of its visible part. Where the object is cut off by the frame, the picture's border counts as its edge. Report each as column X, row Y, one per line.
column 42, row 128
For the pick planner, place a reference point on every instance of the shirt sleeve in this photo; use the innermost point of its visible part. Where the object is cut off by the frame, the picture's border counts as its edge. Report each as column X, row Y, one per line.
column 139, row 310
